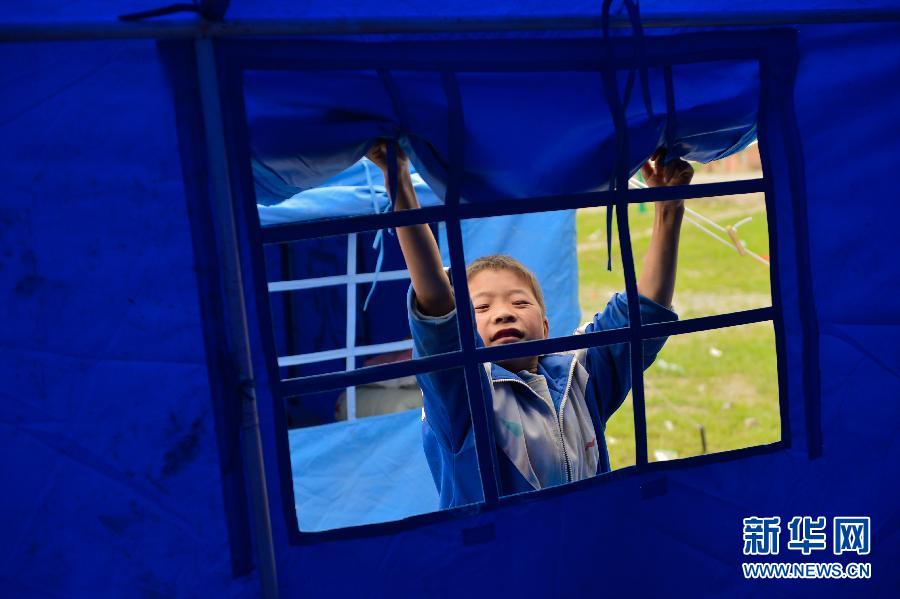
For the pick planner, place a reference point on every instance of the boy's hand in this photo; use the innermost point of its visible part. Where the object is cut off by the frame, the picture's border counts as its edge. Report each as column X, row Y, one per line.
column 433, row 294
column 379, row 155
column 657, row 280
column 406, row 195
column 677, row 172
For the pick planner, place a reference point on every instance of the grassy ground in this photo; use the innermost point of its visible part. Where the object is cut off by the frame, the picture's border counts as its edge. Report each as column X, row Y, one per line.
column 723, row 380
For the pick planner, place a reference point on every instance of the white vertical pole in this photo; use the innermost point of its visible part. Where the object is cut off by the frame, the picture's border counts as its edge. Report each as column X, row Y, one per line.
column 351, row 321
column 236, row 312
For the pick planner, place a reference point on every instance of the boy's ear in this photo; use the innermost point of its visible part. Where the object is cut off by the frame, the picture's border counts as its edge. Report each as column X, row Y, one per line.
column 546, row 328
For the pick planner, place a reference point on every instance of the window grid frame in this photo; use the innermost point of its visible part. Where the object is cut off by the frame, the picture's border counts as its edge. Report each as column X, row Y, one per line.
column 234, row 59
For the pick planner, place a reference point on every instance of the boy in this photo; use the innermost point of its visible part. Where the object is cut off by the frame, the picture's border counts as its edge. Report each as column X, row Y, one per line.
column 549, row 411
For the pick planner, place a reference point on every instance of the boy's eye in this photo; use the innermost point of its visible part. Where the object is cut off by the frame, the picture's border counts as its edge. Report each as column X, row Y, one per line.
column 481, row 307
column 520, row 303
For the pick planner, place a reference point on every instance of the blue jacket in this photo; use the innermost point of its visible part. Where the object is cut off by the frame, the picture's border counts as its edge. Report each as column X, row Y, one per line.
column 541, row 443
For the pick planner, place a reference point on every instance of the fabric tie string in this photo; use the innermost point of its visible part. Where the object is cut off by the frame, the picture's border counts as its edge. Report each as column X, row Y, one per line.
column 632, row 7
column 378, row 244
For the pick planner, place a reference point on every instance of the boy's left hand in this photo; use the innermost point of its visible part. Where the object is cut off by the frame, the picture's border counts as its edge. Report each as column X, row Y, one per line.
column 677, row 172
column 657, row 280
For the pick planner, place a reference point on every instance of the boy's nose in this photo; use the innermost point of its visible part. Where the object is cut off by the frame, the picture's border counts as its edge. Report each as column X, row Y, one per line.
column 504, row 315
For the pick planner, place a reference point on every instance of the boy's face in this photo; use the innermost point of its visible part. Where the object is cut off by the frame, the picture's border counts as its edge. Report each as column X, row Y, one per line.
column 506, row 311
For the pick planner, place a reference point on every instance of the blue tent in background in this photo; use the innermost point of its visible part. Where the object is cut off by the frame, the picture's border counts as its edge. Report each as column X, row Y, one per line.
column 142, row 426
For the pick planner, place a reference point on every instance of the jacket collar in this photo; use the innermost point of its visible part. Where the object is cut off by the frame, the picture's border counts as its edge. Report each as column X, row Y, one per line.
column 556, row 367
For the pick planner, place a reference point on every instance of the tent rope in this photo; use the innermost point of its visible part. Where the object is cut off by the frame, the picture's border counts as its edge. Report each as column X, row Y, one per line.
column 211, row 10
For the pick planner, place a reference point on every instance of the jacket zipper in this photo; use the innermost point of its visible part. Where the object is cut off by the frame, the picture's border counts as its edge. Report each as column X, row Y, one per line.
column 562, row 415
column 559, row 417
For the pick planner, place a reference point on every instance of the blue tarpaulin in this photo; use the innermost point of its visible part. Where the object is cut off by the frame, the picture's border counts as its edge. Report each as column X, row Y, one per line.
column 361, row 472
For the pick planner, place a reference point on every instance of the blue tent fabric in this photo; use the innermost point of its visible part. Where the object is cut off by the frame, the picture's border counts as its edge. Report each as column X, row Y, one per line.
column 358, row 189
column 112, row 481
column 308, row 126
column 111, row 477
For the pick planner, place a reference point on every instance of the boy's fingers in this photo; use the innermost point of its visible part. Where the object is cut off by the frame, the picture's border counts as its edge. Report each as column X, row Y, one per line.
column 376, row 148
column 401, row 155
column 381, row 146
column 669, row 172
column 686, row 172
column 678, row 172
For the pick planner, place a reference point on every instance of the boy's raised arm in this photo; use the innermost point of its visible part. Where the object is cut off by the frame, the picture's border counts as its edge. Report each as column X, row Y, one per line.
column 434, row 295
column 657, row 281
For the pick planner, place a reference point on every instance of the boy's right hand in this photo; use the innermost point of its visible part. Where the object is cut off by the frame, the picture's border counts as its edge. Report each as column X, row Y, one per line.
column 379, row 155
column 406, row 195
column 433, row 294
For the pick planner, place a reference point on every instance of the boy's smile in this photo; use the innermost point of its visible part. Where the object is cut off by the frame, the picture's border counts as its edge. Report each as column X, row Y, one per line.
column 508, row 334
column 506, row 311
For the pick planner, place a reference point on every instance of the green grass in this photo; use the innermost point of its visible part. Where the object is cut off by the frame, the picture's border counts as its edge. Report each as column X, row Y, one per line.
column 723, row 380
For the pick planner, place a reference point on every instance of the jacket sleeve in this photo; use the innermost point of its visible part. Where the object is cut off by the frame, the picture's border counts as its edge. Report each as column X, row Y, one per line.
column 609, row 366
column 444, row 393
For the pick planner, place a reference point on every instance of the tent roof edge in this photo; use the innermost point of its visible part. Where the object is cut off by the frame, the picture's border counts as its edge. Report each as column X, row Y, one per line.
column 71, row 31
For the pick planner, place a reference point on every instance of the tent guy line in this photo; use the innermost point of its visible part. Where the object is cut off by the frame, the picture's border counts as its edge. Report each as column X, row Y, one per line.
column 733, row 242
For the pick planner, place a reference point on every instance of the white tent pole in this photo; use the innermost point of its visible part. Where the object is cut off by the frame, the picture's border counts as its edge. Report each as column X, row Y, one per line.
column 351, row 321
column 335, row 280
column 235, row 313
column 337, row 354
column 199, row 28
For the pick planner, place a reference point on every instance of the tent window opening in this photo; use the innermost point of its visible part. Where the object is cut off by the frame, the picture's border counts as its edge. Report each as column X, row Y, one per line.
column 564, row 189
